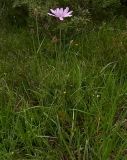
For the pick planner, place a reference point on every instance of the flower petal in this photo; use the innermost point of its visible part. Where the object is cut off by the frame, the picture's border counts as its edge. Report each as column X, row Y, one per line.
column 61, row 10
column 66, row 10
column 61, row 18
column 57, row 12
column 68, row 14
column 53, row 11
column 51, row 14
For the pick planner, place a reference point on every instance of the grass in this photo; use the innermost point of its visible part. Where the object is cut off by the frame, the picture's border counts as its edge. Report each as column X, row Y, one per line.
column 68, row 103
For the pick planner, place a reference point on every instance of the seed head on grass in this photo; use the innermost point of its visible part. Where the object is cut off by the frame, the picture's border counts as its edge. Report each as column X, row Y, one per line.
column 61, row 13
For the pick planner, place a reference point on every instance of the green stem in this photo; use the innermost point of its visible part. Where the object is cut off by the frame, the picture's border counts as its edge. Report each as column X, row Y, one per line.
column 60, row 39
column 37, row 31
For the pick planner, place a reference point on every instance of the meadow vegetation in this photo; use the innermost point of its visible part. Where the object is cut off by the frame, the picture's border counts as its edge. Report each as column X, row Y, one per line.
column 63, row 85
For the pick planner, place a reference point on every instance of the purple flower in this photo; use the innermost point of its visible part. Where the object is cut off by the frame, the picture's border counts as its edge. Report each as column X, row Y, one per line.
column 61, row 13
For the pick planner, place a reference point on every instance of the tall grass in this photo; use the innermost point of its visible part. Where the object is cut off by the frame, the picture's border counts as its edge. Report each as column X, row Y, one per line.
column 67, row 103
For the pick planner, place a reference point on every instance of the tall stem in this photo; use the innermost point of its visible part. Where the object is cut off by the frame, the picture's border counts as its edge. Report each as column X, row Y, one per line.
column 60, row 39
column 38, row 38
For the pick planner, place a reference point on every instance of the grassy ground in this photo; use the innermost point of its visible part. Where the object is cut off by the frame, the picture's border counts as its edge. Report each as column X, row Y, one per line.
column 65, row 102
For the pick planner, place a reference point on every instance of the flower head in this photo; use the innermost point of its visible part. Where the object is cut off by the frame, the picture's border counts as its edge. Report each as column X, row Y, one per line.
column 61, row 13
